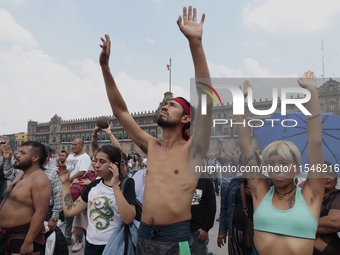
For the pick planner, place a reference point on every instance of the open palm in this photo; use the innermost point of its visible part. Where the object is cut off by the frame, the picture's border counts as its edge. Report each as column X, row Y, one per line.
column 308, row 81
column 190, row 27
column 63, row 173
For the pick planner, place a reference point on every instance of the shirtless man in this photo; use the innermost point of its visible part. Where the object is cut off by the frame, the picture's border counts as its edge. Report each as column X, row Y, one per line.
column 26, row 203
column 165, row 225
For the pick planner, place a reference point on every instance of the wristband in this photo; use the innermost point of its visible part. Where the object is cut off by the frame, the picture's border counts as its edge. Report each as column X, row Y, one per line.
column 313, row 116
column 109, row 135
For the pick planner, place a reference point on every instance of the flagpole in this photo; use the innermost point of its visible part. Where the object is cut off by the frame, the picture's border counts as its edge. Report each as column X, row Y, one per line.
column 170, row 77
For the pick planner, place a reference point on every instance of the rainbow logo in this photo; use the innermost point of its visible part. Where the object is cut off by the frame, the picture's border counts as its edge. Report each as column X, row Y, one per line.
column 212, row 89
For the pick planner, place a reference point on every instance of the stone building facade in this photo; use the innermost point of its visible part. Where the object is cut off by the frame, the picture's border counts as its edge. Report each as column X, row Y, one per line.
column 59, row 133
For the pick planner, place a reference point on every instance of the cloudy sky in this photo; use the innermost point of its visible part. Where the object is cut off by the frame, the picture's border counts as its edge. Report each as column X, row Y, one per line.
column 49, row 50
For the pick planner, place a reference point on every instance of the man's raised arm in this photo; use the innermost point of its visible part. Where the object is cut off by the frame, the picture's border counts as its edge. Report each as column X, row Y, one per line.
column 119, row 108
column 193, row 31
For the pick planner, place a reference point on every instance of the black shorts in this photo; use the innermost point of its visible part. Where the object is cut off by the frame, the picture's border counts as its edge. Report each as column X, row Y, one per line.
column 15, row 245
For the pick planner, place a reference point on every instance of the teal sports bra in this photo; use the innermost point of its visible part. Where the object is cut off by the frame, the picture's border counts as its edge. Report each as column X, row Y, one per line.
column 297, row 221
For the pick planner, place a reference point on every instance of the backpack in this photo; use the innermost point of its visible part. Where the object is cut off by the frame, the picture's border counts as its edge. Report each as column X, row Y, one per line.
column 60, row 247
column 138, row 203
column 77, row 188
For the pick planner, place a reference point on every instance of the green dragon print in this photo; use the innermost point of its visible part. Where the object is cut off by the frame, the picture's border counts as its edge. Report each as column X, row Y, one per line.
column 101, row 207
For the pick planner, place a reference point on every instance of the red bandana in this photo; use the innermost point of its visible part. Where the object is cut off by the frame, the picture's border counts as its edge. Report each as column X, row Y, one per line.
column 186, row 110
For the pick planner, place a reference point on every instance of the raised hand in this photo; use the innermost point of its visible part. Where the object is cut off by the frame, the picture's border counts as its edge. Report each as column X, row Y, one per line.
column 105, row 54
column 308, row 81
column 190, row 28
column 63, row 173
column 7, row 152
column 115, row 174
column 108, row 129
column 246, row 85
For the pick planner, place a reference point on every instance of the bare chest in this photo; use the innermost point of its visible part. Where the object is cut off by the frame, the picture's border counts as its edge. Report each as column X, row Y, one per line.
column 20, row 192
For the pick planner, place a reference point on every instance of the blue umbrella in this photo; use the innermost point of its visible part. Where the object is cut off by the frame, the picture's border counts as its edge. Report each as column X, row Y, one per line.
column 273, row 131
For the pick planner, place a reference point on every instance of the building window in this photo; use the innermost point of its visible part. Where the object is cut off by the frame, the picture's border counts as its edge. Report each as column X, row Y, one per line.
column 120, row 136
column 212, row 131
column 63, row 148
column 83, row 137
column 103, row 136
column 53, row 139
column 153, row 133
column 332, row 106
column 43, row 140
column 69, row 138
column 225, row 131
column 87, row 138
column 63, row 139
column 235, row 131
column 28, row 139
column 87, row 147
column 126, row 136
column 73, row 137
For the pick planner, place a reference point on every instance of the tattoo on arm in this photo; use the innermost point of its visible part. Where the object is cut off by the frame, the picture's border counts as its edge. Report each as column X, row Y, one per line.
column 76, row 202
column 291, row 201
column 94, row 145
column 254, row 168
column 68, row 200
column 247, row 160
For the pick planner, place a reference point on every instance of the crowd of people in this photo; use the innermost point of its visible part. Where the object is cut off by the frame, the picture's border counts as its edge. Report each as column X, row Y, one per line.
column 178, row 203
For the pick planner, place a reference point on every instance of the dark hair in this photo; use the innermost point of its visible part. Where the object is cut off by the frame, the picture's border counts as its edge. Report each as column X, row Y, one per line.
column 64, row 152
column 133, row 158
column 2, row 142
column 124, row 158
column 192, row 114
column 37, row 149
column 114, row 155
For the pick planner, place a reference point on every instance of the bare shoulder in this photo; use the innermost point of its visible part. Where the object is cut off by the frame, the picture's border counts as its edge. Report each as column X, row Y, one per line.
column 40, row 180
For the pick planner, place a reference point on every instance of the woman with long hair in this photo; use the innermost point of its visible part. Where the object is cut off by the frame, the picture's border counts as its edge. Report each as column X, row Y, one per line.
column 106, row 204
column 285, row 216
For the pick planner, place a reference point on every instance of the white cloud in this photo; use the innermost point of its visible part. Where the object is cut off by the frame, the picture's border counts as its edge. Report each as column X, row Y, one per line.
column 34, row 86
column 150, row 40
column 11, row 32
column 252, row 68
column 221, row 71
column 291, row 16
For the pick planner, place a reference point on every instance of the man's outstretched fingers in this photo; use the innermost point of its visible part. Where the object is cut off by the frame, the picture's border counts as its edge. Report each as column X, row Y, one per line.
column 190, row 13
column 202, row 19
column 195, row 15
column 185, row 17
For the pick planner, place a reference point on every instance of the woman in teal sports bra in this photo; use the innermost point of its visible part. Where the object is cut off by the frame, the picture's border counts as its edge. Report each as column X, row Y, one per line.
column 286, row 216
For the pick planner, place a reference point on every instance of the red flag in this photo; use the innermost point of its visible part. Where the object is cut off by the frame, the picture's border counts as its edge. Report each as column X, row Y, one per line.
column 168, row 66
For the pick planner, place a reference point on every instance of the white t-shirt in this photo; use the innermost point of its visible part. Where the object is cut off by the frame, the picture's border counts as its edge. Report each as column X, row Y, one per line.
column 78, row 163
column 139, row 185
column 102, row 210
